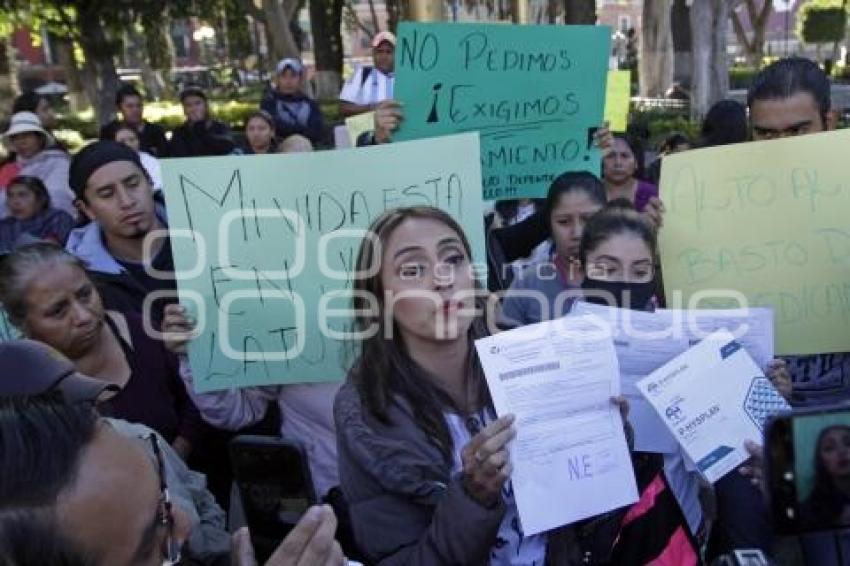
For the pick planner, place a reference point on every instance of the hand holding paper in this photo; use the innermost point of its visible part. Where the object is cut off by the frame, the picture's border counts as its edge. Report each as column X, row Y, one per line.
column 713, row 398
column 558, row 378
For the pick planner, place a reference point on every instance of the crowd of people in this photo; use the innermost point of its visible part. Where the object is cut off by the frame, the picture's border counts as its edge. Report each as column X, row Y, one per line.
column 110, row 456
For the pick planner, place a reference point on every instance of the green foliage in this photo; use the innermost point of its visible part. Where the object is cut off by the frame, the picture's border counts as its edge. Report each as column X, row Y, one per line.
column 822, row 21
column 741, row 77
column 661, row 123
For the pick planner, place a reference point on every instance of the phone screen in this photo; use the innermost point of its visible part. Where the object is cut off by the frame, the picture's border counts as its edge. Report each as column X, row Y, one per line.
column 809, row 471
column 822, row 469
column 274, row 486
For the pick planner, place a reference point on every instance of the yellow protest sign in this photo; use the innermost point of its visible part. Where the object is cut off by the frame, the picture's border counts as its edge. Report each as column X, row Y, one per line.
column 359, row 124
column 618, row 95
column 768, row 220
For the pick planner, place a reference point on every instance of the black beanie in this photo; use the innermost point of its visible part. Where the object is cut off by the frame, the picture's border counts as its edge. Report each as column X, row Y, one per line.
column 93, row 157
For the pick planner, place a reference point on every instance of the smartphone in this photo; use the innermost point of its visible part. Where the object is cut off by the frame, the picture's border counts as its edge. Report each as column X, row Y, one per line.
column 807, row 470
column 275, row 487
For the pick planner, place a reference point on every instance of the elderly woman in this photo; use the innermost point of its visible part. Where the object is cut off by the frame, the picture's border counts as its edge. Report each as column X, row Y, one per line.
column 34, row 157
column 50, row 298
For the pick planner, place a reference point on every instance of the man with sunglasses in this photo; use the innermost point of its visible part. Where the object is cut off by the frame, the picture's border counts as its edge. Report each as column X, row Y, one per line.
column 79, row 489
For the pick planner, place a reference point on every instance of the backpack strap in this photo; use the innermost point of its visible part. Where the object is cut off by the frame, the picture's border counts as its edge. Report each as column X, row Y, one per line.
column 364, row 76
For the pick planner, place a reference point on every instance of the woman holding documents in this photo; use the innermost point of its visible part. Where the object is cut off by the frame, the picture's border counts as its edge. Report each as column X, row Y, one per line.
column 610, row 251
column 424, row 463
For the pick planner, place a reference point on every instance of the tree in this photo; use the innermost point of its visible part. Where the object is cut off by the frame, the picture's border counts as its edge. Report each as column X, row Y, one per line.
column 709, row 26
column 276, row 16
column 656, row 48
column 823, row 21
column 680, row 25
column 758, row 17
column 580, row 12
column 325, row 23
column 9, row 87
column 94, row 25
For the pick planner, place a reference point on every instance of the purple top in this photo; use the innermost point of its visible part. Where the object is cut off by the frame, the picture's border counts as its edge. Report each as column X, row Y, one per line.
column 644, row 192
column 154, row 395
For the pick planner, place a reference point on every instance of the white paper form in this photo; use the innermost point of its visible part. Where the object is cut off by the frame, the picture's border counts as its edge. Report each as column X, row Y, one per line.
column 647, row 340
column 570, row 456
column 713, row 398
column 644, row 342
column 752, row 328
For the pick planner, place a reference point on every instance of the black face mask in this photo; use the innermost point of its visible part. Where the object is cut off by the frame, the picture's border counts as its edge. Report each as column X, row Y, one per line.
column 635, row 296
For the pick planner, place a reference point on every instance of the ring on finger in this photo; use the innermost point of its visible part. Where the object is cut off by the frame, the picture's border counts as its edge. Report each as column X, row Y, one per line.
column 479, row 457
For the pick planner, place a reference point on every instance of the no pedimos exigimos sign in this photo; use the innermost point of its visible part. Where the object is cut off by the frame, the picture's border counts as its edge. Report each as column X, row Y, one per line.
column 536, row 94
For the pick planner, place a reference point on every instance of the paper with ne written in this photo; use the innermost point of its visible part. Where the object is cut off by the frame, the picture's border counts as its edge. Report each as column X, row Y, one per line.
column 645, row 341
column 557, row 378
column 713, row 398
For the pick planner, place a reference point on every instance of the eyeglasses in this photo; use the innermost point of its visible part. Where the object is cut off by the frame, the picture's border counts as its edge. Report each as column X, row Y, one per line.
column 170, row 548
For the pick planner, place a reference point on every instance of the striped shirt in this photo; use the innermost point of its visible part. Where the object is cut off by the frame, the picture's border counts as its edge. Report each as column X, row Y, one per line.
column 377, row 87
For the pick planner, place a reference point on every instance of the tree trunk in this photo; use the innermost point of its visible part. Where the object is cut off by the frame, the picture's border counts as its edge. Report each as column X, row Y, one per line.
column 680, row 25
column 553, row 11
column 393, row 14
column 656, row 48
column 9, row 87
column 159, row 50
column 100, row 77
column 325, row 22
column 709, row 25
column 139, row 57
column 580, row 12
column 758, row 17
column 281, row 42
column 376, row 25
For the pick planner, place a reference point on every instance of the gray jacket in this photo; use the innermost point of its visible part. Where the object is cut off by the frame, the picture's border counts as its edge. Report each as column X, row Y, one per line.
column 406, row 508
column 209, row 542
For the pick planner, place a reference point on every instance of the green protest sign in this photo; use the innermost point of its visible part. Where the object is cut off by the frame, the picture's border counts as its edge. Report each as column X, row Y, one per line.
column 264, row 247
column 535, row 93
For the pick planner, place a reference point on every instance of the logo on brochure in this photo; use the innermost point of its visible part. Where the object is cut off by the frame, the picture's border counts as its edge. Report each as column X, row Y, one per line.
column 674, row 413
column 654, row 387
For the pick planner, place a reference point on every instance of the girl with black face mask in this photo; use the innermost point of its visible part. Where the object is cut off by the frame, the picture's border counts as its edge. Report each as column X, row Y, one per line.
column 617, row 253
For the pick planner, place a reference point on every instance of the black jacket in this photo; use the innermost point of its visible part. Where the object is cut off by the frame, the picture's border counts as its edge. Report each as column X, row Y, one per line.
column 295, row 114
column 201, row 139
column 151, row 138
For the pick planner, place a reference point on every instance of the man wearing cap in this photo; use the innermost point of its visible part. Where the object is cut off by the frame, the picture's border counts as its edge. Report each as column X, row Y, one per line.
column 84, row 490
column 370, row 85
column 113, row 190
column 293, row 111
column 30, row 368
column 35, row 158
column 199, row 135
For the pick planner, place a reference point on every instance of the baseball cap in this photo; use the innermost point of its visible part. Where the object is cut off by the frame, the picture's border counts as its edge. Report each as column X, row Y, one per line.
column 382, row 37
column 28, row 367
column 290, row 63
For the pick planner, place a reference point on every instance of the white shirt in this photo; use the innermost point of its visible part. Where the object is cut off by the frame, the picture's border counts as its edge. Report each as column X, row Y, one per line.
column 151, row 165
column 512, row 547
column 377, row 87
